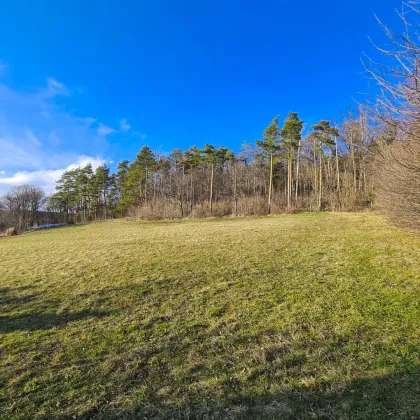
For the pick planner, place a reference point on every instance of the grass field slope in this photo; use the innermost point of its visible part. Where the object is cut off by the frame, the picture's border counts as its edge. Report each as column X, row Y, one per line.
column 283, row 317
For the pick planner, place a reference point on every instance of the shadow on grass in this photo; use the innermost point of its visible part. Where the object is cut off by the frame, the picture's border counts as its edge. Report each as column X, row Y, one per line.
column 393, row 396
column 37, row 318
column 45, row 321
column 5, row 290
column 6, row 299
column 144, row 384
column 13, row 300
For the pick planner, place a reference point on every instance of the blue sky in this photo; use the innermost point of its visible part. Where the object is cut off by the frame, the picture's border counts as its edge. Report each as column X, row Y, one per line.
column 96, row 80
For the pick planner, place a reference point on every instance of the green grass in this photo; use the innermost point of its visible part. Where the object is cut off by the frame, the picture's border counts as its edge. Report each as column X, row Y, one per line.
column 288, row 317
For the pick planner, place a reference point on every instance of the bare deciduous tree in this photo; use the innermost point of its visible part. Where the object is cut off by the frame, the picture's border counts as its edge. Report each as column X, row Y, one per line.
column 23, row 204
column 397, row 164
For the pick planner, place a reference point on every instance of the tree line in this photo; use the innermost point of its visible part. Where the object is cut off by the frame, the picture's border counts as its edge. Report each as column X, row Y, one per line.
column 284, row 171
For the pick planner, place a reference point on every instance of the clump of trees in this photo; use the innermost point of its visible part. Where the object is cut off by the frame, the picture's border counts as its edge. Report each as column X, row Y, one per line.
column 22, row 207
column 83, row 194
column 285, row 171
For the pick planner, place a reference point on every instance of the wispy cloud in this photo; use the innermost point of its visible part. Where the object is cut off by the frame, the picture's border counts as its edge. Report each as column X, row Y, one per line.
column 55, row 88
column 104, row 130
column 124, row 126
column 40, row 137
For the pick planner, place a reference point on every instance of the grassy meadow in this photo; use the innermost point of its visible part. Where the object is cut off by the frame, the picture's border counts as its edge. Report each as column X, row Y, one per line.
column 283, row 317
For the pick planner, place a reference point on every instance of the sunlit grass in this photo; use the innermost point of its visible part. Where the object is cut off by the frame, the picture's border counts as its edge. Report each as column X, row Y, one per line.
column 279, row 317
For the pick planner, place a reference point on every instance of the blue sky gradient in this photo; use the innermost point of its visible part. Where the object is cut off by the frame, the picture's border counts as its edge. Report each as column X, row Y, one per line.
column 94, row 81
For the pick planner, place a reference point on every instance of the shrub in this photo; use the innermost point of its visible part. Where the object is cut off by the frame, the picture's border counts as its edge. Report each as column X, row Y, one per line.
column 397, row 180
column 12, row 231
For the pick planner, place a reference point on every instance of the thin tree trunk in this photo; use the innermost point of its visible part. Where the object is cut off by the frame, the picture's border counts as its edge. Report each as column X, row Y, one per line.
column 289, row 182
column 270, row 187
column 235, row 197
column 211, row 188
column 145, row 187
column 320, row 183
column 329, row 170
column 315, row 188
column 353, row 159
column 192, row 191
column 297, row 172
column 104, row 197
column 337, row 167
column 183, row 196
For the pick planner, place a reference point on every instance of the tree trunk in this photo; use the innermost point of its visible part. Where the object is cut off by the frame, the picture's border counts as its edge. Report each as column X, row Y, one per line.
column 337, row 168
column 289, row 182
column 353, row 159
column 192, row 191
column 211, row 188
column 104, row 197
column 320, row 183
column 315, row 186
column 270, row 187
column 297, row 172
column 145, row 187
column 235, row 197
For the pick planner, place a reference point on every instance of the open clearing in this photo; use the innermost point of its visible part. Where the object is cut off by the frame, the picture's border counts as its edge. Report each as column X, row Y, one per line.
column 301, row 316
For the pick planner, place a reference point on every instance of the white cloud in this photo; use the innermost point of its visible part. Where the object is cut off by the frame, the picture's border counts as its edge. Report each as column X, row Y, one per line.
column 84, row 160
column 104, row 130
column 14, row 154
column 54, row 88
column 37, row 134
column 86, row 121
column 124, row 126
column 40, row 137
column 45, row 179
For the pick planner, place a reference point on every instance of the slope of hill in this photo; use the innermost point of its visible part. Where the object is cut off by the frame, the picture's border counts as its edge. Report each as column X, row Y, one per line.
column 305, row 316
